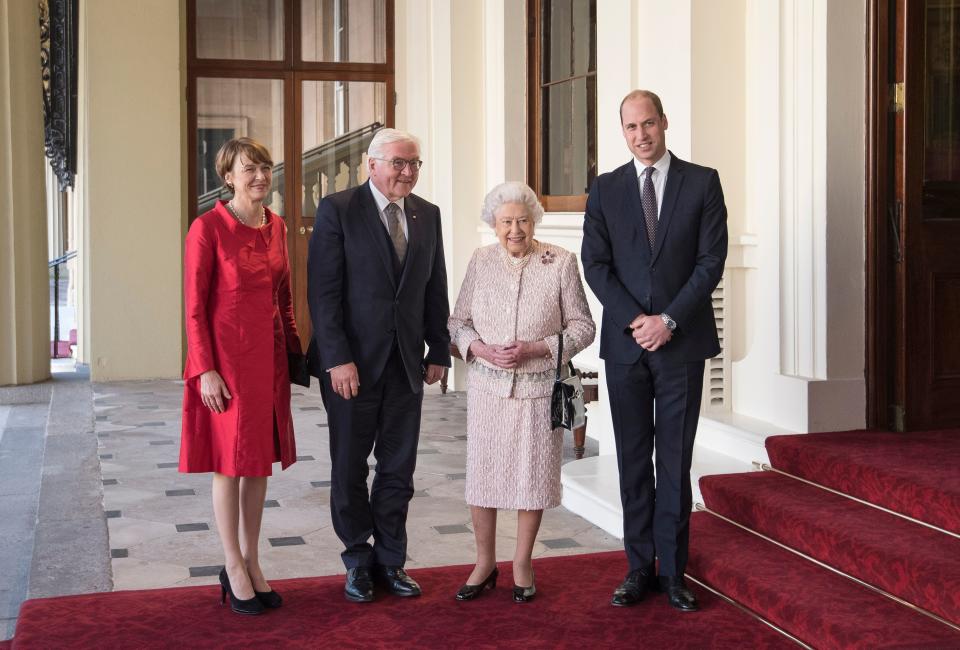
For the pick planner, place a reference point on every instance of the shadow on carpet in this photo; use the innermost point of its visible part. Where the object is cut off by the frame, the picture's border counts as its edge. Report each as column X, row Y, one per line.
column 571, row 609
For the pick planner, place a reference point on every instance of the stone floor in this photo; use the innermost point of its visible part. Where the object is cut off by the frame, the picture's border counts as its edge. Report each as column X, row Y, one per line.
column 161, row 527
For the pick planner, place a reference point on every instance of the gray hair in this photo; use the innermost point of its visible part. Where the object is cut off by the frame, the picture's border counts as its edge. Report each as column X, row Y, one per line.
column 510, row 192
column 387, row 136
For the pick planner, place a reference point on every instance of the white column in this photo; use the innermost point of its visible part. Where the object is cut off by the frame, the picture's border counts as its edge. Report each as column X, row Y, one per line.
column 802, row 365
column 132, row 155
column 24, row 283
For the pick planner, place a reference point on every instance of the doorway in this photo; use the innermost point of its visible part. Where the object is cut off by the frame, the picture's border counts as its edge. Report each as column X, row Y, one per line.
column 913, row 262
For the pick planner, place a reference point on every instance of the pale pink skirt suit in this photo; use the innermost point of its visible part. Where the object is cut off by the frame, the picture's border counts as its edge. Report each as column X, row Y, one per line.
column 513, row 455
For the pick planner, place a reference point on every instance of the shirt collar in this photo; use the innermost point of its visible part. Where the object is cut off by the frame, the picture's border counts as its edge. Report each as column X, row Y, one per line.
column 662, row 165
column 382, row 201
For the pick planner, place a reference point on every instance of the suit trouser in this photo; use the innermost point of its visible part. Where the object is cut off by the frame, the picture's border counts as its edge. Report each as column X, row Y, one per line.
column 383, row 418
column 655, row 405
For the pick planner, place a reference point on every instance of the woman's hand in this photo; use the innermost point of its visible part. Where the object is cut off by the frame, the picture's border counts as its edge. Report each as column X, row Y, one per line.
column 491, row 353
column 511, row 355
column 213, row 391
column 520, row 352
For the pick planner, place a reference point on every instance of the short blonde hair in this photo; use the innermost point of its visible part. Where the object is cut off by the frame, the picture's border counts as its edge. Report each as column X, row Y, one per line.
column 510, row 192
column 231, row 149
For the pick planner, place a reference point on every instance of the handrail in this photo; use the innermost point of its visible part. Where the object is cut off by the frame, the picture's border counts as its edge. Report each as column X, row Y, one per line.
column 66, row 257
column 311, row 159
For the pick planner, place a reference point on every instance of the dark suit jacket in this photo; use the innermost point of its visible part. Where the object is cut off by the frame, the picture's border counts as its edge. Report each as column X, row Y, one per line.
column 360, row 304
column 680, row 275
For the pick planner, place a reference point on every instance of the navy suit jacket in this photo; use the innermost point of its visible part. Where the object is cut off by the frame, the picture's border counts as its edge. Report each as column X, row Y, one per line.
column 677, row 278
column 359, row 302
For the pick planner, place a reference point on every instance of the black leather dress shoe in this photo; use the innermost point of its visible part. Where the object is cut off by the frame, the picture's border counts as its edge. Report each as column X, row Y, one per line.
column 633, row 588
column 359, row 585
column 397, row 582
column 677, row 593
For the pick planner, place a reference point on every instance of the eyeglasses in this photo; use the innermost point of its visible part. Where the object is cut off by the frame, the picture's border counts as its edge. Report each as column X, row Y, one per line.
column 399, row 164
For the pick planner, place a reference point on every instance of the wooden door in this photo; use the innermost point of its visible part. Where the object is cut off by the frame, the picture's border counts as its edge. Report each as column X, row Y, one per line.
column 926, row 213
column 336, row 121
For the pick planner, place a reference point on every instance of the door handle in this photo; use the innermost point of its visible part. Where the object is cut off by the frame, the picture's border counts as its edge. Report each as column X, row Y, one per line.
column 305, row 229
column 895, row 210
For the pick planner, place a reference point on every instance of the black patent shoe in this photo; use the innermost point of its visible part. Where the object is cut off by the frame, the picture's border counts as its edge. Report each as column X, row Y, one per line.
column 524, row 594
column 679, row 596
column 397, row 582
column 269, row 599
column 632, row 590
column 469, row 592
column 359, row 585
column 250, row 606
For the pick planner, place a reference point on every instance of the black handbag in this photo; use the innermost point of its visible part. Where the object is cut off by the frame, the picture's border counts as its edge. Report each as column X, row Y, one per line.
column 567, row 408
column 297, row 363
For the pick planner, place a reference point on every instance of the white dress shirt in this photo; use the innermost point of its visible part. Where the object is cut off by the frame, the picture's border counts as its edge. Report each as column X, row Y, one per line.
column 382, row 203
column 660, row 170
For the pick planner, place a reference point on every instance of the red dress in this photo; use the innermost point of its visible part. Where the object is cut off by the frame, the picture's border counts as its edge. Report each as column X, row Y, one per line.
column 239, row 320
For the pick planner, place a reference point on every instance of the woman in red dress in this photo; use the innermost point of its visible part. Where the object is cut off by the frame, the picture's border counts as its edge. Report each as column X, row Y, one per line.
column 240, row 328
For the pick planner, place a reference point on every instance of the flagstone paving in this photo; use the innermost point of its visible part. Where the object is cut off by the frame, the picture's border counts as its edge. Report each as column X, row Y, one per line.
column 161, row 527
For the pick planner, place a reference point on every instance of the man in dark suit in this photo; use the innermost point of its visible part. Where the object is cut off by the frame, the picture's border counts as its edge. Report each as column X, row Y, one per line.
column 654, row 246
column 377, row 289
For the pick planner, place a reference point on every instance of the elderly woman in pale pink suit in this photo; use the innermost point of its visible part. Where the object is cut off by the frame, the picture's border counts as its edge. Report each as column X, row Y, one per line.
column 519, row 295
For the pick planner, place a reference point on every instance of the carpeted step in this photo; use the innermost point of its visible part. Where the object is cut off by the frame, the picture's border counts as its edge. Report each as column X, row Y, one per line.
column 911, row 473
column 817, row 606
column 911, row 561
column 571, row 610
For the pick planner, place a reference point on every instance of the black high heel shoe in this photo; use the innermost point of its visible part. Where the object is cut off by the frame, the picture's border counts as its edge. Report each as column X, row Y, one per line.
column 250, row 606
column 469, row 592
column 525, row 594
column 269, row 599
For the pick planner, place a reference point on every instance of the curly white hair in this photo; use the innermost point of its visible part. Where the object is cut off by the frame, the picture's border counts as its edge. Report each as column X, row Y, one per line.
column 510, row 192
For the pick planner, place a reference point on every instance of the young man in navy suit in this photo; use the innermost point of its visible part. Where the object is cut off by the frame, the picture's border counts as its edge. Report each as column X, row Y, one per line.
column 377, row 288
column 654, row 246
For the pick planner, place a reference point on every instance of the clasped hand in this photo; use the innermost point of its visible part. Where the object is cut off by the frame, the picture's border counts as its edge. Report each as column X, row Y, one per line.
column 510, row 355
column 650, row 332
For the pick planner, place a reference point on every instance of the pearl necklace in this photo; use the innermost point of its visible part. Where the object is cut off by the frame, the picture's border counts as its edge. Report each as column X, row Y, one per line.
column 236, row 215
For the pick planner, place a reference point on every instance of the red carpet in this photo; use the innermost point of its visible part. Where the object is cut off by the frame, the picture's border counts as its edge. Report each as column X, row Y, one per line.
column 571, row 610
column 912, row 473
column 916, row 474
column 881, row 549
column 820, row 608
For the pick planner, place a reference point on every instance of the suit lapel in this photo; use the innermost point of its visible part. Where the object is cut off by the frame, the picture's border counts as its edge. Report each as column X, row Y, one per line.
column 411, row 209
column 630, row 188
column 371, row 217
column 670, row 193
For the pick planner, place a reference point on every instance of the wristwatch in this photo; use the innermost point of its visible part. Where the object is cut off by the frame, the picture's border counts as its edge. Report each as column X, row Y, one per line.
column 669, row 322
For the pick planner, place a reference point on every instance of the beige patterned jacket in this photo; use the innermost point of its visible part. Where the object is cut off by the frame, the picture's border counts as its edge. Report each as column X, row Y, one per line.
column 501, row 302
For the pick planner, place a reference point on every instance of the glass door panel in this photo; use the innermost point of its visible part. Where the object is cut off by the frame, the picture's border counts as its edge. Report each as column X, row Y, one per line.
column 240, row 29
column 941, row 106
column 231, row 108
column 343, row 31
column 338, row 121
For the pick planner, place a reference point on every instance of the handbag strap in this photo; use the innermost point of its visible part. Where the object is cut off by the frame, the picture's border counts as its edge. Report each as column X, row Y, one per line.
column 559, row 356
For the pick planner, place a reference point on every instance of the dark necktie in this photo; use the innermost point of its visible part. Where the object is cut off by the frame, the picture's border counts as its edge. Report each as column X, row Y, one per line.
column 648, row 199
column 396, row 230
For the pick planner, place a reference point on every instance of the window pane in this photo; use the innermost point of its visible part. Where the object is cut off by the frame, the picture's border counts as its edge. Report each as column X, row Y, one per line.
column 230, row 108
column 569, row 27
column 341, row 31
column 240, row 29
column 339, row 119
column 568, row 155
